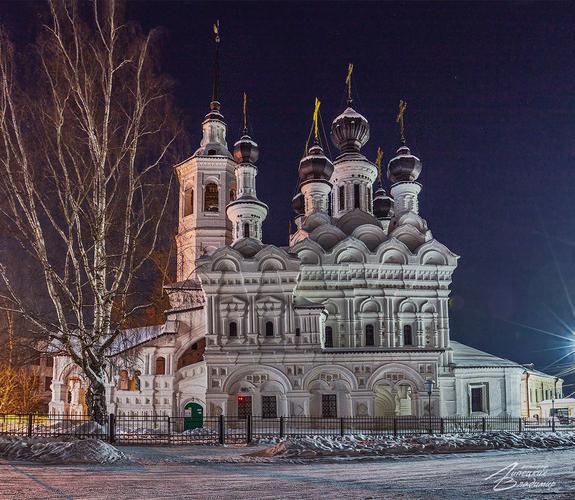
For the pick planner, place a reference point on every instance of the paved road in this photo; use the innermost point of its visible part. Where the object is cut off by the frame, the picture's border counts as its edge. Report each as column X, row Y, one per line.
column 171, row 473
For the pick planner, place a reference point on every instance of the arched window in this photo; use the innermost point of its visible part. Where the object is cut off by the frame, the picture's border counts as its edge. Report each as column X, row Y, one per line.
column 193, row 354
column 369, row 336
column 233, row 329
column 407, row 335
column 160, row 366
column 341, row 197
column 124, row 381
column 135, row 381
column 328, row 336
column 246, row 230
column 269, row 329
column 188, row 202
column 232, row 194
column 211, row 198
column 356, row 203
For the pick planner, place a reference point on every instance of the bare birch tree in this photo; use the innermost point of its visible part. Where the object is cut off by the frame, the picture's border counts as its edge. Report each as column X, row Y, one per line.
column 82, row 146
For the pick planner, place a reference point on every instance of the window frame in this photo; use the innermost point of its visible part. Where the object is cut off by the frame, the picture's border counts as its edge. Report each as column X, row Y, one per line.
column 211, row 207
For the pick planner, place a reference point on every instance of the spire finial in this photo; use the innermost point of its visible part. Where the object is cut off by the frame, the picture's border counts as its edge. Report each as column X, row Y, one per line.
column 316, row 120
column 378, row 161
column 348, row 83
column 216, row 61
column 245, row 113
column 401, row 120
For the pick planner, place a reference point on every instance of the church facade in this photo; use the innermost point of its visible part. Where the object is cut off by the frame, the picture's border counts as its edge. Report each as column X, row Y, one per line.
column 351, row 318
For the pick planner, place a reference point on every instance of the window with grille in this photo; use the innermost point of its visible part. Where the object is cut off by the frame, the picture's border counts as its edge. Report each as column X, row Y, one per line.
column 369, row 335
column 341, row 197
column 328, row 336
column 188, row 202
column 244, row 406
column 233, row 329
column 269, row 407
column 269, row 329
column 356, row 201
column 246, row 230
column 329, row 405
column 211, row 198
column 407, row 335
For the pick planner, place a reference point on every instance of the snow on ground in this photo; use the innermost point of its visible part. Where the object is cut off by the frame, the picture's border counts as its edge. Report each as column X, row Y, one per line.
column 358, row 445
column 59, row 450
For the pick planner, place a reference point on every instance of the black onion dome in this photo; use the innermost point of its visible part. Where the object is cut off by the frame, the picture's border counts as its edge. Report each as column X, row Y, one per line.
column 246, row 150
column 315, row 166
column 404, row 167
column 298, row 203
column 214, row 113
column 350, row 131
column 382, row 204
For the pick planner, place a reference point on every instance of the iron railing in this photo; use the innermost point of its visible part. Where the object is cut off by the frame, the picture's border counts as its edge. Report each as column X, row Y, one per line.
column 154, row 429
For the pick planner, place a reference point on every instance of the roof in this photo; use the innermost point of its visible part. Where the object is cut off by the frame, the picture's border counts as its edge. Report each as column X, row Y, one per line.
column 133, row 337
column 465, row 356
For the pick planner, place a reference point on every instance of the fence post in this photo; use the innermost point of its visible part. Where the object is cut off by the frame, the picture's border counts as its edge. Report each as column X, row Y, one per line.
column 222, row 430
column 394, row 426
column 553, row 423
column 112, row 428
column 341, row 427
column 441, row 426
column 169, row 430
column 520, row 424
column 249, row 429
column 30, row 417
column 282, row 429
column 483, row 425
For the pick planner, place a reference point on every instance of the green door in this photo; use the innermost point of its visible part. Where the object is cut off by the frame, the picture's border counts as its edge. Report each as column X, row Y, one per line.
column 193, row 416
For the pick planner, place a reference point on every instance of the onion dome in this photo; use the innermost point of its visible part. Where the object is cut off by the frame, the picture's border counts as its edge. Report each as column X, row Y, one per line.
column 350, row 131
column 404, row 167
column 382, row 204
column 214, row 113
column 315, row 166
column 246, row 150
column 298, row 203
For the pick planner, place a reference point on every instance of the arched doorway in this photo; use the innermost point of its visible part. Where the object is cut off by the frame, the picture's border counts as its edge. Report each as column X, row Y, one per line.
column 193, row 416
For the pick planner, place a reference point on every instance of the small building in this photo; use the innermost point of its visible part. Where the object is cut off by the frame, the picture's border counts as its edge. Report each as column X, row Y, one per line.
column 537, row 387
column 562, row 407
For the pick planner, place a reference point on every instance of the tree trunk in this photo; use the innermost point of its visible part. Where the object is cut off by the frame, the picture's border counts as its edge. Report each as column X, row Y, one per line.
column 96, row 395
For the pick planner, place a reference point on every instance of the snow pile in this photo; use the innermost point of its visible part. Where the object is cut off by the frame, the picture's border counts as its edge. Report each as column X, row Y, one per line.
column 59, row 450
column 360, row 445
column 140, row 431
column 200, row 431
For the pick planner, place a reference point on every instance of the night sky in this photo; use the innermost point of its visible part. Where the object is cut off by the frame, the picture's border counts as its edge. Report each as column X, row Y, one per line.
column 490, row 88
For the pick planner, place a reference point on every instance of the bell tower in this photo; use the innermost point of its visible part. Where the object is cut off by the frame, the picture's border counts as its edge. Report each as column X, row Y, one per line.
column 206, row 185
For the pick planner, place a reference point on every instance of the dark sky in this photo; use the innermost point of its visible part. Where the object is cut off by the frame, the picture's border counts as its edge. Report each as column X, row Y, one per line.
column 491, row 113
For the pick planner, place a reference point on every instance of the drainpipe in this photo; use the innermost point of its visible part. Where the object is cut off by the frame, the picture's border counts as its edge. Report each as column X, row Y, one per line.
column 527, row 389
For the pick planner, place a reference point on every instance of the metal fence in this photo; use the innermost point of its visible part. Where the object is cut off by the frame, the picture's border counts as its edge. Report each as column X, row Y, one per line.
column 151, row 429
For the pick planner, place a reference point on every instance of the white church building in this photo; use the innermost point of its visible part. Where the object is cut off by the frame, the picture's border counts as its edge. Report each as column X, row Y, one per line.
column 351, row 318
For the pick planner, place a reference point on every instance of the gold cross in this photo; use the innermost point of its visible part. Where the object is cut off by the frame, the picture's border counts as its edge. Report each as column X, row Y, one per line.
column 378, row 161
column 400, row 119
column 348, row 81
